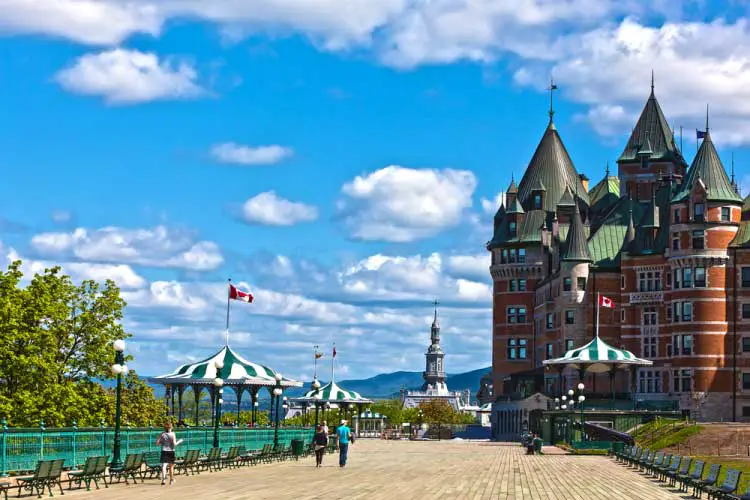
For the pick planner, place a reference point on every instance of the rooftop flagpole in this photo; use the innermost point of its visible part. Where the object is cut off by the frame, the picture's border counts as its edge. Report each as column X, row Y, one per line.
column 333, row 362
column 229, row 294
column 596, row 332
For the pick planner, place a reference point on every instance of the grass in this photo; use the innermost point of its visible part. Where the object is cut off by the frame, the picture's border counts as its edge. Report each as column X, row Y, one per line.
column 590, row 452
column 729, row 463
column 664, row 433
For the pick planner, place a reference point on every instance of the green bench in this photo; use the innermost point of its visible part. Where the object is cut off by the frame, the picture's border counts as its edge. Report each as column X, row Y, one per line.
column 94, row 469
column 687, row 479
column 131, row 468
column 46, row 475
column 231, row 459
column 190, row 463
column 152, row 459
column 726, row 488
column 212, row 461
column 700, row 485
column 683, row 470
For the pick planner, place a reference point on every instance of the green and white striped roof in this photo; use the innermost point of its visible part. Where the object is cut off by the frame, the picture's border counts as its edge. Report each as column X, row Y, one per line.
column 236, row 370
column 597, row 357
column 332, row 393
column 371, row 415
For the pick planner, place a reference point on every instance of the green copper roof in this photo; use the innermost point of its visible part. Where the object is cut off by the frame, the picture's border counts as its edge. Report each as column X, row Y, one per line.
column 607, row 189
column 746, row 203
column 708, row 168
column 651, row 136
column 576, row 247
column 515, row 207
column 742, row 238
column 566, row 200
column 529, row 230
column 606, row 244
column 552, row 167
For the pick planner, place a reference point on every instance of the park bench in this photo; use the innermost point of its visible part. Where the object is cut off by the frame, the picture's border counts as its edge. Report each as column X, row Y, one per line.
column 263, row 455
column 656, row 462
column 683, row 470
column 283, row 452
column 243, row 457
column 727, row 487
column 231, row 459
column 646, row 460
column 4, row 487
column 94, row 469
column 701, row 484
column 190, row 462
column 131, row 468
column 686, row 480
column 634, row 458
column 741, row 495
column 46, row 475
column 212, row 461
column 656, row 469
column 670, row 468
column 152, row 460
column 622, row 453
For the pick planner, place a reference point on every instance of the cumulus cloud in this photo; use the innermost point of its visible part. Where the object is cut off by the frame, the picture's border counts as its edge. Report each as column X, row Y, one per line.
column 402, row 204
column 230, row 152
column 489, row 207
column 155, row 247
column 271, row 210
column 124, row 76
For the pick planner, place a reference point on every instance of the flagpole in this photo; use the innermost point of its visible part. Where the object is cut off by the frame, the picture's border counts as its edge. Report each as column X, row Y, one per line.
column 229, row 284
column 596, row 332
column 315, row 362
column 333, row 362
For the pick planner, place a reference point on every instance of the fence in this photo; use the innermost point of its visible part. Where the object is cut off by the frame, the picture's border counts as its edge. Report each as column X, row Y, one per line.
column 20, row 449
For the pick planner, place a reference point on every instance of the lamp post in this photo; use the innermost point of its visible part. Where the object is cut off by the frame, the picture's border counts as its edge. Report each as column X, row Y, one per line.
column 255, row 411
column 218, row 383
column 119, row 369
column 316, row 387
column 581, row 399
column 277, row 390
column 285, row 406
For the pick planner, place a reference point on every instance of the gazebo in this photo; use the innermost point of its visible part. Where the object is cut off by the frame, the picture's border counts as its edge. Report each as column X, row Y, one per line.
column 332, row 395
column 370, row 424
column 236, row 372
column 598, row 357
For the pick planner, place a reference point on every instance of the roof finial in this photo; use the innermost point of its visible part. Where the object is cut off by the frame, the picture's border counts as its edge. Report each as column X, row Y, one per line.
column 706, row 117
column 435, row 303
column 652, row 82
column 552, row 87
column 732, row 167
column 606, row 172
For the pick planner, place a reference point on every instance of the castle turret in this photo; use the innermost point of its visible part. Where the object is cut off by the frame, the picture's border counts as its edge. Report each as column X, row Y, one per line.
column 434, row 374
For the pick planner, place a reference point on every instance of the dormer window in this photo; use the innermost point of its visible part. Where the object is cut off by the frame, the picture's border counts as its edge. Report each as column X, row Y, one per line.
column 726, row 214
column 537, row 201
column 512, row 228
column 676, row 215
column 699, row 212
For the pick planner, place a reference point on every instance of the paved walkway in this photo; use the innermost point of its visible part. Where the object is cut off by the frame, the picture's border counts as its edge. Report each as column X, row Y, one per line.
column 403, row 470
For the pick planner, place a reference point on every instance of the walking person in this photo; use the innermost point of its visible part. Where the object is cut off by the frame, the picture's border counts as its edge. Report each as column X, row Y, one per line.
column 345, row 436
column 168, row 442
column 325, row 427
column 320, row 441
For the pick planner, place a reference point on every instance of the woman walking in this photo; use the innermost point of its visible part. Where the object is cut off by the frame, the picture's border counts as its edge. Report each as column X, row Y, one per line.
column 168, row 442
column 320, row 441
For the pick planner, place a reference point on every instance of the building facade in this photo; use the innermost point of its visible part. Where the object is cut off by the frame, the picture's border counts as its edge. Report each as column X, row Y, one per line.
column 667, row 242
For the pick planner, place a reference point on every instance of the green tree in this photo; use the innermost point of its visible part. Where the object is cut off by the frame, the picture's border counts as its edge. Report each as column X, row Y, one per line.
column 139, row 405
column 437, row 411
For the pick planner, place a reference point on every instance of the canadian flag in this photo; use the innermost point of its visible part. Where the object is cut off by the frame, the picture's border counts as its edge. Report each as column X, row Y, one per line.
column 236, row 294
column 606, row 302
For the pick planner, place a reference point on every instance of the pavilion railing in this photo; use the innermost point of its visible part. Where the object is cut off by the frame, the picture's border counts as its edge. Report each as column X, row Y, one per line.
column 21, row 449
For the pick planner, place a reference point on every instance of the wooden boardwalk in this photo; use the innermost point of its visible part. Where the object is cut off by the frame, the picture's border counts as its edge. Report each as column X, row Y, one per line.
column 403, row 470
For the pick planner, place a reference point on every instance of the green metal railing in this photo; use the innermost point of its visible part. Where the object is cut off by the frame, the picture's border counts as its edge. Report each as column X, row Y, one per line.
column 591, row 445
column 21, row 449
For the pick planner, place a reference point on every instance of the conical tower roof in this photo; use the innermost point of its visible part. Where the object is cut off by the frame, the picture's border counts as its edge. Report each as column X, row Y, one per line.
column 708, row 168
column 576, row 246
column 651, row 136
column 552, row 168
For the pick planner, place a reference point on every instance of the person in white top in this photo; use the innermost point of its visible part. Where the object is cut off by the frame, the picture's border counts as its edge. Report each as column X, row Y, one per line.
column 325, row 427
column 168, row 442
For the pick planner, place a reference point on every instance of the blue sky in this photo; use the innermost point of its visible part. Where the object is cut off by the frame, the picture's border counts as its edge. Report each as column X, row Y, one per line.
column 339, row 159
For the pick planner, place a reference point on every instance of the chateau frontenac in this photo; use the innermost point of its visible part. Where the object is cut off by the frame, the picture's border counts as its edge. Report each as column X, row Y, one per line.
column 667, row 242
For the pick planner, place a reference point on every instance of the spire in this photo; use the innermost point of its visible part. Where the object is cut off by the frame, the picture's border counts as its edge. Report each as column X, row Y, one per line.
column 630, row 233
column 435, row 323
column 512, row 189
column 552, row 87
column 652, row 83
column 606, row 172
column 706, row 118
column 576, row 246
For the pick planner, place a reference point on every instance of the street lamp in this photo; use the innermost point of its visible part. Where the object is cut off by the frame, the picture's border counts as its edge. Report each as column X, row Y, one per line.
column 277, row 391
column 119, row 369
column 316, row 387
column 285, row 406
column 255, row 411
column 218, row 383
column 581, row 399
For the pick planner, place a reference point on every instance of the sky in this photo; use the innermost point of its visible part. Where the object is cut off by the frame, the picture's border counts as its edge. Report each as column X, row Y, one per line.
column 339, row 159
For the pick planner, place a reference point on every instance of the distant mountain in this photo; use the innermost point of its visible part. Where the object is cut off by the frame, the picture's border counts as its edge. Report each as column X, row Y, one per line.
column 383, row 386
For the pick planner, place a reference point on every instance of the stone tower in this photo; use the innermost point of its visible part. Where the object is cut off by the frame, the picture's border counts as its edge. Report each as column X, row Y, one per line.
column 434, row 374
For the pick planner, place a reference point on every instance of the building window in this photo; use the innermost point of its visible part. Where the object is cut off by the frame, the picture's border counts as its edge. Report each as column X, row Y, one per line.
column 745, row 344
column 521, row 285
column 699, row 212
column 550, row 321
column 582, row 284
column 746, row 311
column 649, row 281
column 516, row 315
column 745, row 381
column 699, row 239
column 649, row 316
column 512, row 285
column 675, row 241
column 682, row 345
column 521, row 348
column 649, row 381
column 521, row 255
column 677, row 278
column 676, row 215
column 622, row 315
column 570, row 317
column 567, row 284
column 549, row 351
column 504, row 256
column 512, row 349
column 746, row 411
column 687, row 311
column 669, row 279
column 700, row 277
column 726, row 214
column 537, row 201
column 669, row 314
column 746, row 277
column 687, row 278
column 568, row 344
column 683, row 381
column 512, row 228
column 649, row 347
column 622, row 282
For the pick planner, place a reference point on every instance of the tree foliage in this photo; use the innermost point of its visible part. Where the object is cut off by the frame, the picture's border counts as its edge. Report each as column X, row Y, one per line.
column 55, row 344
column 438, row 411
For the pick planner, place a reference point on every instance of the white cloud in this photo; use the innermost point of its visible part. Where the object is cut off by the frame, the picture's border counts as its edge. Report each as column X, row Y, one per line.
column 123, row 275
column 124, row 76
column 62, row 216
column 269, row 209
column 470, row 266
column 229, row 152
column 489, row 207
column 401, row 204
column 156, row 247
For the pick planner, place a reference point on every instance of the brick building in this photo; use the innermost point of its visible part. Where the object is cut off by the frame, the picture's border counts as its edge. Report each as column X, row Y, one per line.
column 670, row 244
